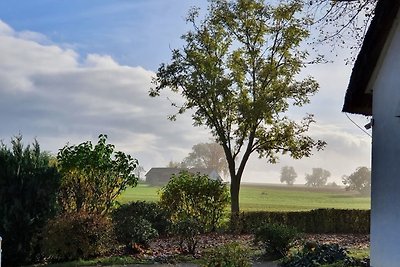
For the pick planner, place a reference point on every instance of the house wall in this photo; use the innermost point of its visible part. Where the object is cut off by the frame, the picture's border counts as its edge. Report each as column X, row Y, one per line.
column 385, row 196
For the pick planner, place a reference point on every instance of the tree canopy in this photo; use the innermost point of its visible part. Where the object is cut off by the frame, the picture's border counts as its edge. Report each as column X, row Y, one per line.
column 209, row 156
column 318, row 177
column 360, row 180
column 238, row 71
column 288, row 175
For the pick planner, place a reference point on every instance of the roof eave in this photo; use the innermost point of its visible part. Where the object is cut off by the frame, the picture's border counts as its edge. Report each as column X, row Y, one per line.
column 358, row 97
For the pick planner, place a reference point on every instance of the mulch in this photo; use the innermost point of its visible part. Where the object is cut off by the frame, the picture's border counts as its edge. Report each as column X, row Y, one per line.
column 165, row 249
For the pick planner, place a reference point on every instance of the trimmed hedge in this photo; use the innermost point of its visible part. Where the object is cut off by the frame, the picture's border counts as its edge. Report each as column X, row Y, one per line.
column 319, row 221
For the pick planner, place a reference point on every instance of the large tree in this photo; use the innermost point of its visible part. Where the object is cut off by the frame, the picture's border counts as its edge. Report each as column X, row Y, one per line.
column 317, row 178
column 288, row 175
column 239, row 72
column 360, row 180
column 207, row 155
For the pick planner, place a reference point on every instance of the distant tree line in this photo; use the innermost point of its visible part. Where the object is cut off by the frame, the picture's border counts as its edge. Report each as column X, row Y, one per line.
column 360, row 180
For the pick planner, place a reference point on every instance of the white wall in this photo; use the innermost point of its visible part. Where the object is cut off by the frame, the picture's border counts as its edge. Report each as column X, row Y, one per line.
column 385, row 198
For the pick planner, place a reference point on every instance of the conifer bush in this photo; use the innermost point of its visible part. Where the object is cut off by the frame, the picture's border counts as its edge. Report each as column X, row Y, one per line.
column 28, row 187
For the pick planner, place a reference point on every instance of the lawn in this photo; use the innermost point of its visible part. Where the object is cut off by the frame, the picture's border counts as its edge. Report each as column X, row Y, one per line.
column 273, row 197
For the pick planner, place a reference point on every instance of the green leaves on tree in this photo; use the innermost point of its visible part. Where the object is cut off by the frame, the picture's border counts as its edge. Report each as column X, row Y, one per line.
column 238, row 71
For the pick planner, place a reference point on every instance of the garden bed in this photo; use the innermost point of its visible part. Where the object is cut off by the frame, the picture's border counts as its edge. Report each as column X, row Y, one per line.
column 168, row 249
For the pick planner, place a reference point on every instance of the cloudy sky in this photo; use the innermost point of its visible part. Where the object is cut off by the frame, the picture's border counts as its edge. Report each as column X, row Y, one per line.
column 70, row 70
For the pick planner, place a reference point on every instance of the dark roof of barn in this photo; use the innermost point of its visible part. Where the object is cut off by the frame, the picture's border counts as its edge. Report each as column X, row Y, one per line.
column 161, row 172
column 357, row 100
column 166, row 172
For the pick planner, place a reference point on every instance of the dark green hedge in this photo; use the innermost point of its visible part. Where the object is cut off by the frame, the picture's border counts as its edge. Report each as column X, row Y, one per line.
column 319, row 221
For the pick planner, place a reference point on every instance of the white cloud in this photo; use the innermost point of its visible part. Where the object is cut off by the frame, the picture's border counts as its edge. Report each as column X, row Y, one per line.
column 45, row 92
column 5, row 29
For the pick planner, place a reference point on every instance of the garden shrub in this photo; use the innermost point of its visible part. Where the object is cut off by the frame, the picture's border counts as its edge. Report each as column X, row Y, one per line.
column 139, row 231
column 195, row 205
column 276, row 239
column 312, row 256
column 28, row 187
column 139, row 222
column 187, row 231
column 195, row 197
column 93, row 176
column 318, row 221
column 78, row 236
column 126, row 214
column 228, row 255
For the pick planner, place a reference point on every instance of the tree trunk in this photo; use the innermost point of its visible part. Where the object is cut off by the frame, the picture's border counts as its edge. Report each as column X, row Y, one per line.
column 235, row 187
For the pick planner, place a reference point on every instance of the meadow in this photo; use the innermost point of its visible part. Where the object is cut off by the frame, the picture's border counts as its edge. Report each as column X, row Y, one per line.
column 256, row 197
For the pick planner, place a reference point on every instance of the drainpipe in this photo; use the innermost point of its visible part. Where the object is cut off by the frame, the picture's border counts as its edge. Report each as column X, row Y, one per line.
column 0, row 251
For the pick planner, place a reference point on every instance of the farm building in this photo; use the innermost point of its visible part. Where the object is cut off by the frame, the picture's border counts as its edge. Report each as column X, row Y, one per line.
column 161, row 176
column 374, row 90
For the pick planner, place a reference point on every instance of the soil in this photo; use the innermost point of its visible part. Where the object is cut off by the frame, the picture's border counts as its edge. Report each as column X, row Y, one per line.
column 165, row 250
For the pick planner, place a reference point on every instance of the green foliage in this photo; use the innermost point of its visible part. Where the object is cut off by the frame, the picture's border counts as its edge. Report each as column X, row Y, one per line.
column 187, row 230
column 138, row 231
column 360, row 180
column 288, row 175
column 238, row 72
column 196, row 205
column 28, row 186
column 318, row 178
column 316, row 221
column 139, row 222
column 93, row 176
column 195, row 197
column 277, row 239
column 228, row 255
column 78, row 236
column 317, row 255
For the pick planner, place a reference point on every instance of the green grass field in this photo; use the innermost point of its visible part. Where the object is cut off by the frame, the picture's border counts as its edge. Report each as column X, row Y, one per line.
column 273, row 197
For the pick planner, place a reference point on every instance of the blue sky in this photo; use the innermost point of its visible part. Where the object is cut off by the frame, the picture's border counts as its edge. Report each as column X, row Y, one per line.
column 137, row 32
column 70, row 70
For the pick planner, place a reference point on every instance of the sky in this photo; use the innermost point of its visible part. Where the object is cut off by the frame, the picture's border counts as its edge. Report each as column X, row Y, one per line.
column 71, row 70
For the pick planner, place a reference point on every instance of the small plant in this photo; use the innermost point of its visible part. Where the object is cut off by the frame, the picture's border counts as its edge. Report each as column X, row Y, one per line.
column 187, row 231
column 316, row 255
column 277, row 239
column 228, row 255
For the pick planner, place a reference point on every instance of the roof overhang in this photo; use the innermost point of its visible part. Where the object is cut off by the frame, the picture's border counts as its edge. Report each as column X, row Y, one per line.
column 358, row 97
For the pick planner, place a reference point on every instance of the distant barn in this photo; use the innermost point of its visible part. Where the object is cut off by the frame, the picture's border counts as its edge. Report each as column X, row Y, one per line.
column 161, row 176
